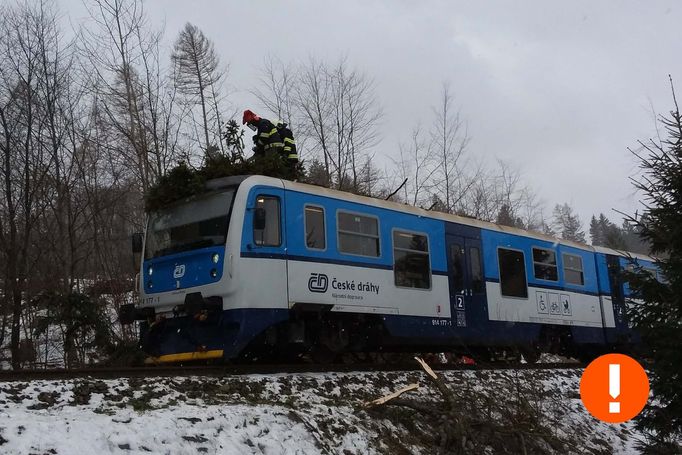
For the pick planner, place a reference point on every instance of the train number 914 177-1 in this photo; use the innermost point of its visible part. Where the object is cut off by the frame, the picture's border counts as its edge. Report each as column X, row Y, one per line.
column 441, row 322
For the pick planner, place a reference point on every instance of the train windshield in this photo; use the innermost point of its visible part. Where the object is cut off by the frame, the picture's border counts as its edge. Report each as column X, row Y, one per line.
column 195, row 224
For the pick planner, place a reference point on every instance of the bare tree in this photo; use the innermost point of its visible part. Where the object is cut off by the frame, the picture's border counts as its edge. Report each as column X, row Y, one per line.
column 198, row 76
column 340, row 115
column 60, row 99
column 567, row 223
column 313, row 98
column 417, row 165
column 80, row 140
column 24, row 163
column 277, row 89
column 521, row 202
column 450, row 138
column 359, row 112
column 121, row 55
column 499, row 195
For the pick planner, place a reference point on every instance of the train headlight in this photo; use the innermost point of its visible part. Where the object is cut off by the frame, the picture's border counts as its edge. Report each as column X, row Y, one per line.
column 215, row 258
column 150, row 284
column 214, row 273
column 150, row 271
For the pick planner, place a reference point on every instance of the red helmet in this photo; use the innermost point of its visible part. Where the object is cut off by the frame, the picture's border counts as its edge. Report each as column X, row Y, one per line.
column 249, row 117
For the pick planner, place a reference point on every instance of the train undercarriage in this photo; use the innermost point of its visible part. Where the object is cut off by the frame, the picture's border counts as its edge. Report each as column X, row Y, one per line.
column 312, row 333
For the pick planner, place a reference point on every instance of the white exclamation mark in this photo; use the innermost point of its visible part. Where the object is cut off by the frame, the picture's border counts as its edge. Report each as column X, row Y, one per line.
column 614, row 387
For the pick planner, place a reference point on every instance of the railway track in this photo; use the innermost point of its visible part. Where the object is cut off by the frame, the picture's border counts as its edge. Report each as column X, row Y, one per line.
column 248, row 369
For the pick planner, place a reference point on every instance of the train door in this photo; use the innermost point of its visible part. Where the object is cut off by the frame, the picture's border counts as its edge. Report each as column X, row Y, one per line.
column 622, row 332
column 467, row 285
column 458, row 280
column 267, row 272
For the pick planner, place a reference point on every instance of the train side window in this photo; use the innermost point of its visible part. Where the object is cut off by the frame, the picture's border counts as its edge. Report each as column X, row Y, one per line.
column 457, row 271
column 544, row 264
column 411, row 263
column 315, row 234
column 476, row 270
column 573, row 269
column 358, row 234
column 512, row 273
column 270, row 234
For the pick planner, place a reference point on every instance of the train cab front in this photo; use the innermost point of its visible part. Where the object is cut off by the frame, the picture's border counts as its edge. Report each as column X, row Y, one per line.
column 183, row 281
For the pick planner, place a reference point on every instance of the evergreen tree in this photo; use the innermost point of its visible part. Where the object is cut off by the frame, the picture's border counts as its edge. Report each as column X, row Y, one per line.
column 567, row 224
column 317, row 173
column 437, row 204
column 234, row 139
column 198, row 77
column 506, row 217
column 632, row 240
column 612, row 237
column 596, row 234
column 658, row 316
column 81, row 318
column 605, row 233
column 547, row 229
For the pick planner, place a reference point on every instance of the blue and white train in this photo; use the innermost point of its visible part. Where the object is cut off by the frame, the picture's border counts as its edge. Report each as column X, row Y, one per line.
column 261, row 265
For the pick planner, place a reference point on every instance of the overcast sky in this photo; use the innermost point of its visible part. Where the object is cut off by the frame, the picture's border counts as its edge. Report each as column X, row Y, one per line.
column 559, row 88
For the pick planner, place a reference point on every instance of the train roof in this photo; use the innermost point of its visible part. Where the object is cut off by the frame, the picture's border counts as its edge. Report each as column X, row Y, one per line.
column 390, row 205
column 606, row 250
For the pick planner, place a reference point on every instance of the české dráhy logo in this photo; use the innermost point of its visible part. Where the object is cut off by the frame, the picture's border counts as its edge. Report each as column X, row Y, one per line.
column 179, row 271
column 318, row 282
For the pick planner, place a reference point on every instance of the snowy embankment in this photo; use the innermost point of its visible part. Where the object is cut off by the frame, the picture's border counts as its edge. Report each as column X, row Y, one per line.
column 275, row 414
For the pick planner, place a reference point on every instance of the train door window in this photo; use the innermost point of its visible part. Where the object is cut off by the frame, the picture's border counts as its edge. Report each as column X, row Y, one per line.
column 512, row 273
column 270, row 234
column 573, row 269
column 315, row 234
column 457, row 272
column 544, row 264
column 476, row 270
column 411, row 263
column 358, row 234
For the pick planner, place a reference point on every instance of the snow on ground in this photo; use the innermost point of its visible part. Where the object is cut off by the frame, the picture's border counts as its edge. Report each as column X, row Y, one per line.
column 258, row 414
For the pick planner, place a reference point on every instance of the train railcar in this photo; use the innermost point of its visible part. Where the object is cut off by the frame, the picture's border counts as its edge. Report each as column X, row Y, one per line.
column 260, row 266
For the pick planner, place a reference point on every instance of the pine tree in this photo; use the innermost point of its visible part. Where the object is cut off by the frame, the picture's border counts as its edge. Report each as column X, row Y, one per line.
column 567, row 224
column 596, row 234
column 198, row 75
column 632, row 240
column 605, row 233
column 506, row 217
column 317, row 173
column 547, row 229
column 612, row 234
column 234, row 139
column 659, row 318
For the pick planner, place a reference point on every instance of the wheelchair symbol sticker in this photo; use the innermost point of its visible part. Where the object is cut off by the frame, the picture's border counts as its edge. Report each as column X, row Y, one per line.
column 541, row 298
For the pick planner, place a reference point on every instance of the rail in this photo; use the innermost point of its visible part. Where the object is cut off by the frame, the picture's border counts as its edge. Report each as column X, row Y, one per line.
column 250, row 369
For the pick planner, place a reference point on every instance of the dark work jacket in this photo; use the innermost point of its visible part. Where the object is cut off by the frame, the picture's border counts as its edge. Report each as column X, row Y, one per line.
column 289, row 145
column 267, row 138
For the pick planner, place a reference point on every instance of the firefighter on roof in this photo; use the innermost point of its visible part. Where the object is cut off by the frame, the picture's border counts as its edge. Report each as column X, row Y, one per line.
column 267, row 139
column 289, row 145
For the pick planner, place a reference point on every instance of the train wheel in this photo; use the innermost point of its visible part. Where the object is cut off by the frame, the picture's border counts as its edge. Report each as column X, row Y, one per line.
column 531, row 354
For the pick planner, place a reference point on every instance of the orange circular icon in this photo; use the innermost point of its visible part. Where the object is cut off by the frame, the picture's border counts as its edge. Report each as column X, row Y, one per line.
column 614, row 388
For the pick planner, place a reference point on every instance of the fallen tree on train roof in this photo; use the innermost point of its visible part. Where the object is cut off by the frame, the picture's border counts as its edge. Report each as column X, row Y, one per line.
column 184, row 181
